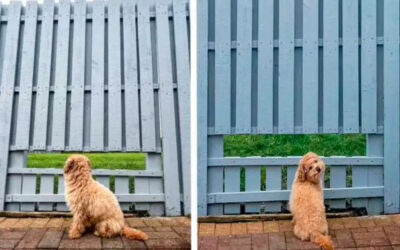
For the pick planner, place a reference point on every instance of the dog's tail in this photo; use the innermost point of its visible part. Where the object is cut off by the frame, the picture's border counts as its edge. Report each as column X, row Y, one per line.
column 134, row 234
column 321, row 240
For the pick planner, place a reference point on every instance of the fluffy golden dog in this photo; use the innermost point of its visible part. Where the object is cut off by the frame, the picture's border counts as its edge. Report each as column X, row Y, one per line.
column 307, row 202
column 93, row 206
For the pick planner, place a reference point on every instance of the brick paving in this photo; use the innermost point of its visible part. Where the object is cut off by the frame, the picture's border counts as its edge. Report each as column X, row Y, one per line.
column 369, row 232
column 52, row 233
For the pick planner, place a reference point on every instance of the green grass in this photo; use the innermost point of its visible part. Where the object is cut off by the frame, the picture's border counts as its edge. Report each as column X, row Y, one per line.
column 293, row 145
column 132, row 161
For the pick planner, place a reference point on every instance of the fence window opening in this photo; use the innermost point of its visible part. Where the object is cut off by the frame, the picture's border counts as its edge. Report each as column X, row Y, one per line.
column 254, row 173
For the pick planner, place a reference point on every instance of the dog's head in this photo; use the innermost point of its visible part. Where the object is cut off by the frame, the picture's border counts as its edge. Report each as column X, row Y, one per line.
column 311, row 167
column 77, row 164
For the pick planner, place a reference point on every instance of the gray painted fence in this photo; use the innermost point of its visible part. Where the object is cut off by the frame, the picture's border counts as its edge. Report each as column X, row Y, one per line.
column 102, row 76
column 298, row 67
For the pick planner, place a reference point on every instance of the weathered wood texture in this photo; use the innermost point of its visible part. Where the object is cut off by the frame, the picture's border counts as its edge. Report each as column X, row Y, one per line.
column 102, row 76
column 297, row 67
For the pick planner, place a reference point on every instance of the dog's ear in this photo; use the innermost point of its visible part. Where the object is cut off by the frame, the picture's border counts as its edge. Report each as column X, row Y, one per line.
column 69, row 164
column 302, row 171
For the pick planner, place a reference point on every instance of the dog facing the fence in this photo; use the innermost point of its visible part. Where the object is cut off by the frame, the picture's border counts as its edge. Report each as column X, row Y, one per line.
column 93, row 206
column 307, row 202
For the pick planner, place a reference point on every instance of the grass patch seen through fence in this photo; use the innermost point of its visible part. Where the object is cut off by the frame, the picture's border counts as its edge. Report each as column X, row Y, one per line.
column 293, row 145
column 130, row 161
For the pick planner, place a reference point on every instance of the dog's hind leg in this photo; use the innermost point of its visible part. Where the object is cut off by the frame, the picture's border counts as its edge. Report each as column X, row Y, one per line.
column 107, row 228
column 324, row 227
column 301, row 233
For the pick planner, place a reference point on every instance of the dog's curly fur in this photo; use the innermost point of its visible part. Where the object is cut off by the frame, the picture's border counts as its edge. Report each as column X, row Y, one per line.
column 307, row 202
column 93, row 206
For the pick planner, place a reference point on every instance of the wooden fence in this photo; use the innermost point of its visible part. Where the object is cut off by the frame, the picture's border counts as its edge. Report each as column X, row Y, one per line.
column 102, row 76
column 298, row 67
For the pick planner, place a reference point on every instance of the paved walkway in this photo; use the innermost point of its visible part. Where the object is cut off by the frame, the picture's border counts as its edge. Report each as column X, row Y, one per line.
column 376, row 232
column 33, row 233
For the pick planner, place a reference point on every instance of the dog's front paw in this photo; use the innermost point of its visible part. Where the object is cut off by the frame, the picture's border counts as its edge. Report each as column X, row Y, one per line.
column 73, row 234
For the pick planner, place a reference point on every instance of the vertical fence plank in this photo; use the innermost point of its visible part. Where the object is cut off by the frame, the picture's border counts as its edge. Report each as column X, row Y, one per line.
column 232, row 184
column 104, row 180
column 310, row 66
column 183, row 78
column 273, row 181
column 145, row 185
column 97, row 97
column 14, row 182
column 142, row 186
column 154, row 162
column 168, row 112
column 202, row 91
column 338, row 180
column 368, row 67
column 122, row 187
column 26, row 79
column 61, row 76
column 286, row 67
column 146, row 78
column 243, row 67
column 253, row 183
column 391, row 107
column 375, row 173
column 291, row 174
column 223, row 67
column 46, row 187
column 364, row 176
column 215, row 174
column 7, row 92
column 375, row 178
column 359, row 179
column 78, row 76
column 44, row 71
column 331, row 67
column 265, row 66
column 61, row 206
column 132, row 125
column 28, row 187
column 114, row 77
column 350, row 67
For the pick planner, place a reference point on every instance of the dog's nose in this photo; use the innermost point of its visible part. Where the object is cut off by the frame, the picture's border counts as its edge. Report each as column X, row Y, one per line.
column 318, row 169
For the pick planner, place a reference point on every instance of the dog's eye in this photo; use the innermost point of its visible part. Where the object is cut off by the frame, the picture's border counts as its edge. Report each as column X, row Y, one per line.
column 315, row 161
column 310, row 167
